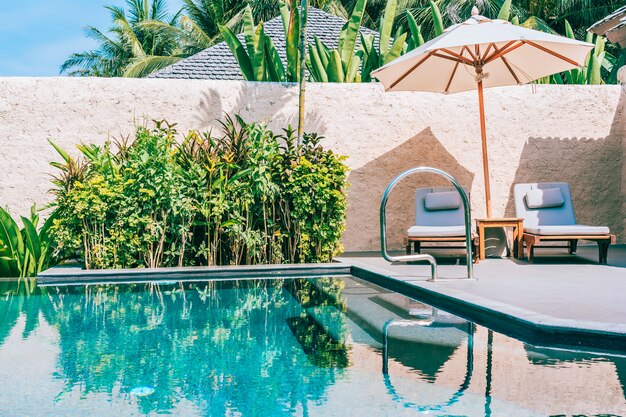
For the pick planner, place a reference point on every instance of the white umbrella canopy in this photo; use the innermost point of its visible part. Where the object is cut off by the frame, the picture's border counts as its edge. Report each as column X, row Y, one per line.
column 479, row 53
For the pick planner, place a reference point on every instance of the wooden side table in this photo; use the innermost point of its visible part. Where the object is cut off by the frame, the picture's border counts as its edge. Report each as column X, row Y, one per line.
column 517, row 224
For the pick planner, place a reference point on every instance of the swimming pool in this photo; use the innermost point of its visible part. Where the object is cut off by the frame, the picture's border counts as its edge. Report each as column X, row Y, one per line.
column 277, row 347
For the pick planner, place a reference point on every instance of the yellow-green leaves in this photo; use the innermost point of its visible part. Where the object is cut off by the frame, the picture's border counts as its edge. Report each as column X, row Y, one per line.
column 505, row 10
column 208, row 200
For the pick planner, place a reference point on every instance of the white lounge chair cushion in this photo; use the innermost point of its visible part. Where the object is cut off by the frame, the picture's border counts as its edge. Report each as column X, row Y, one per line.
column 574, row 229
column 446, row 200
column 436, row 231
column 544, row 198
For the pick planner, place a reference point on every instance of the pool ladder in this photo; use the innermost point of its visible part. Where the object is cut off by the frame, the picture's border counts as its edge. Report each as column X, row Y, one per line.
column 424, row 257
column 426, row 322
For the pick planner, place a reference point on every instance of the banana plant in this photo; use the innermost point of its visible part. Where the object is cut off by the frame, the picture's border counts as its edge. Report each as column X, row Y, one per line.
column 339, row 65
column 259, row 59
column 597, row 59
column 373, row 57
column 25, row 252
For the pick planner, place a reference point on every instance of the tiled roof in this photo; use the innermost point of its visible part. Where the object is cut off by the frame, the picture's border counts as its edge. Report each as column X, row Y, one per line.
column 609, row 22
column 218, row 63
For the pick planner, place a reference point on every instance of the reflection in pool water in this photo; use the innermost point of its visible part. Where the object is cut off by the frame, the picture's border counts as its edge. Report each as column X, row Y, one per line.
column 276, row 348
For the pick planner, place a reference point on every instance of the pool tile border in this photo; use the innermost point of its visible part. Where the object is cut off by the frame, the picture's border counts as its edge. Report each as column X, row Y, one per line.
column 77, row 276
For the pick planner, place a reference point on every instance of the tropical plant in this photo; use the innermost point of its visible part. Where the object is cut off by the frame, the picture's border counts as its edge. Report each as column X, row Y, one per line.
column 373, row 57
column 247, row 197
column 259, row 60
column 339, row 65
column 138, row 43
column 376, row 54
column 25, row 252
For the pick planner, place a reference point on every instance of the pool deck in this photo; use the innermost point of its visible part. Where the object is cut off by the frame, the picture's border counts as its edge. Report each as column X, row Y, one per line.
column 557, row 292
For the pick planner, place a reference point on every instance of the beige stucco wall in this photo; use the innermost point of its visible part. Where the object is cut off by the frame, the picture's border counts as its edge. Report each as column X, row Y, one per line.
column 541, row 133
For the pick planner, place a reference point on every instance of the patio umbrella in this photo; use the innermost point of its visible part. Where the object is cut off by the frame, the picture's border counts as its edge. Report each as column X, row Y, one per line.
column 480, row 53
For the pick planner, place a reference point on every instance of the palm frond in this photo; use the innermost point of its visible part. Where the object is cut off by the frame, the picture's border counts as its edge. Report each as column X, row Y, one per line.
column 146, row 65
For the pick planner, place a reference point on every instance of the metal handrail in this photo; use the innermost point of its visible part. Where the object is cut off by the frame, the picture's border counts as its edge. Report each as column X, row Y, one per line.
column 425, row 257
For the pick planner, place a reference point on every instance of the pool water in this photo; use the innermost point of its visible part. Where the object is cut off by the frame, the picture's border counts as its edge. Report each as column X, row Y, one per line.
column 314, row 347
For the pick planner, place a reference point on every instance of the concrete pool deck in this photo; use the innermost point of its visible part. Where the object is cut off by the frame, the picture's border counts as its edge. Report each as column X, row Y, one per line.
column 558, row 292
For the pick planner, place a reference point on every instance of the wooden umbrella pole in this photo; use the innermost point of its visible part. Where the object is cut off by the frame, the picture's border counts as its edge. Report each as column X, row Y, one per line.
column 483, row 134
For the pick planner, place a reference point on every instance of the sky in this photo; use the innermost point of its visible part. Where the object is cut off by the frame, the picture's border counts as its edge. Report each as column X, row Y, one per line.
column 37, row 36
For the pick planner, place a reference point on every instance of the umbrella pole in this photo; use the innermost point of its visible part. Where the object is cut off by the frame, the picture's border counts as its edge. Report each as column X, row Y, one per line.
column 483, row 134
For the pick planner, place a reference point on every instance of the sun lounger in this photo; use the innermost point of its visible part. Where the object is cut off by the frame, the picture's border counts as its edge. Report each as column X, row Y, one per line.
column 439, row 218
column 548, row 215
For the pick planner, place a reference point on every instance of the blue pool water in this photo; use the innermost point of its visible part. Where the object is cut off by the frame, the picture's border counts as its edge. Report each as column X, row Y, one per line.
column 317, row 347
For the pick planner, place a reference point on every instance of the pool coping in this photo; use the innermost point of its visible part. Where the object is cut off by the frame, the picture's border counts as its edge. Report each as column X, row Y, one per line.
column 528, row 326
column 525, row 325
column 76, row 276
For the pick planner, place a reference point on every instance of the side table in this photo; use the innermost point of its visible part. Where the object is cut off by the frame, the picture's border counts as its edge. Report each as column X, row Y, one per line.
column 517, row 224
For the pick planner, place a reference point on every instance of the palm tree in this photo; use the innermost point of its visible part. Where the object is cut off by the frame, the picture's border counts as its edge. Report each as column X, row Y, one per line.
column 548, row 15
column 138, row 43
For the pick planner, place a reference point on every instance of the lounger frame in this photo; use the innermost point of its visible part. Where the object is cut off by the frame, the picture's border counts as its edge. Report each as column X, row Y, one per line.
column 416, row 243
column 531, row 241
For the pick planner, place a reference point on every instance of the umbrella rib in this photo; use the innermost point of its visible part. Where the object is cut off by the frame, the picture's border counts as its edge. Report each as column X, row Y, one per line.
column 457, row 56
column 421, row 61
column 505, row 50
column 491, row 45
column 546, row 50
column 507, row 65
column 450, row 58
column 452, row 76
column 469, row 51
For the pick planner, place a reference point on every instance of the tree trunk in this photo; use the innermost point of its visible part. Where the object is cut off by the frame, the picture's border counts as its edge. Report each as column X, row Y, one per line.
column 302, row 81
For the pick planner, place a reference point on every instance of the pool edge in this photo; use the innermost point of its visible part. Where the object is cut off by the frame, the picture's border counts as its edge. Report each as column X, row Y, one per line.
column 543, row 334
column 78, row 276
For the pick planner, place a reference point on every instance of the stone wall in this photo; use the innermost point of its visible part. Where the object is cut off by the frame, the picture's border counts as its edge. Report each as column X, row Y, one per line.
column 536, row 133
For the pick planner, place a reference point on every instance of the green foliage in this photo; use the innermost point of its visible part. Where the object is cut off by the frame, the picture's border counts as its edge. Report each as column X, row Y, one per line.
column 374, row 58
column 142, row 40
column 259, row 60
column 597, row 61
column 242, row 198
column 339, row 65
column 416, row 39
column 25, row 252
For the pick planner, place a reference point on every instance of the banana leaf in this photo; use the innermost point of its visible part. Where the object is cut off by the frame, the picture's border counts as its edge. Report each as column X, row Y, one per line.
column 505, row 10
column 386, row 26
column 415, row 30
column 349, row 33
column 238, row 51
column 437, row 19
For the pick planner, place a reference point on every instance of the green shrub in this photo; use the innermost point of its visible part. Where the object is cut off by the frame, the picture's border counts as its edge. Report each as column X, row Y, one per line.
column 247, row 197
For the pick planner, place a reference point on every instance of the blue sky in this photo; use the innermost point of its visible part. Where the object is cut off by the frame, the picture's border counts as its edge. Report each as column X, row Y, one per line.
column 36, row 36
